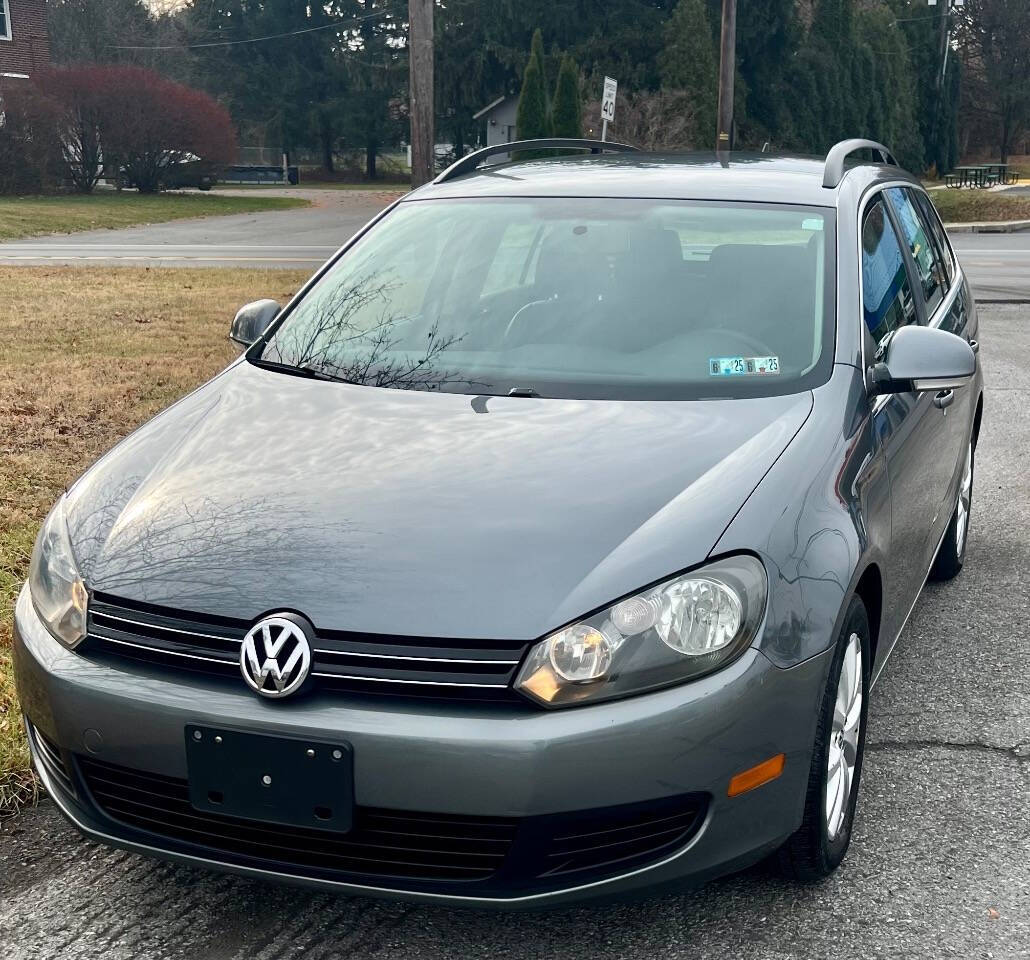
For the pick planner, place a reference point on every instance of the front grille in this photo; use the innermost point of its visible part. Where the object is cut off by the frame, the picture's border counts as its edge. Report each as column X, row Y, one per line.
column 381, row 843
column 417, row 851
column 344, row 662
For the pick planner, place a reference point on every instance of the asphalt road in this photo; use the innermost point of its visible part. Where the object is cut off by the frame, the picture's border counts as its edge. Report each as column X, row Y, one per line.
column 300, row 238
column 939, row 866
column 998, row 264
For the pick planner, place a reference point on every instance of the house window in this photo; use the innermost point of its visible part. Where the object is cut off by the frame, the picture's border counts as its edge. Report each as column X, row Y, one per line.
column 5, row 20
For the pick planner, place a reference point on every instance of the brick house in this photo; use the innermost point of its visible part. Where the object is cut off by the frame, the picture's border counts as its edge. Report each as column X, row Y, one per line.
column 24, row 43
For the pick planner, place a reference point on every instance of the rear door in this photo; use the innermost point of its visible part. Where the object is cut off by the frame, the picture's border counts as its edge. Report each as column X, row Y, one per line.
column 957, row 313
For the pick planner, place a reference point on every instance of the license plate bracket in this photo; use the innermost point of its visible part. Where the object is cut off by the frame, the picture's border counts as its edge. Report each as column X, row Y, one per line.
column 290, row 781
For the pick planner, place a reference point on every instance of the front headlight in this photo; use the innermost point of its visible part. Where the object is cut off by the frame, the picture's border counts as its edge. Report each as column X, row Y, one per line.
column 675, row 631
column 58, row 592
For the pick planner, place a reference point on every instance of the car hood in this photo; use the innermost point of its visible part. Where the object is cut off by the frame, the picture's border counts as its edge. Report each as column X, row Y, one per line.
column 415, row 513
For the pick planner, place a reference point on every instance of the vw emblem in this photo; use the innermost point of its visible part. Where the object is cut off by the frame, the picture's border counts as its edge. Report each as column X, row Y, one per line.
column 275, row 658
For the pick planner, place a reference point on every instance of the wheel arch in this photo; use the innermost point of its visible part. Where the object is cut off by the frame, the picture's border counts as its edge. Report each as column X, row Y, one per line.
column 977, row 418
column 869, row 589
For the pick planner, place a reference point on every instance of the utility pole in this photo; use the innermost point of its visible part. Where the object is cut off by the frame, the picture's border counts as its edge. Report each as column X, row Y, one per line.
column 420, row 69
column 945, row 42
column 727, row 70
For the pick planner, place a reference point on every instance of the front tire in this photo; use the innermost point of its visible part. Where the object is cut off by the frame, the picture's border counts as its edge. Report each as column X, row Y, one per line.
column 952, row 553
column 819, row 845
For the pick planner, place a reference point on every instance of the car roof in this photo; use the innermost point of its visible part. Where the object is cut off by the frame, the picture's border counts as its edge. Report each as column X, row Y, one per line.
column 773, row 178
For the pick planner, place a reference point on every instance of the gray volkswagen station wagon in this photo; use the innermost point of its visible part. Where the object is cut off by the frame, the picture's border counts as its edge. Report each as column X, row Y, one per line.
column 547, row 545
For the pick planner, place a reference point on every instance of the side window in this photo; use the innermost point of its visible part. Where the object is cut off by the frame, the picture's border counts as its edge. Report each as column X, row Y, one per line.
column 920, row 246
column 936, row 229
column 887, row 300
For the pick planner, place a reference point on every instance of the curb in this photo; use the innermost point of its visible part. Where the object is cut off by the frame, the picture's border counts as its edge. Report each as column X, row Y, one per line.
column 999, row 226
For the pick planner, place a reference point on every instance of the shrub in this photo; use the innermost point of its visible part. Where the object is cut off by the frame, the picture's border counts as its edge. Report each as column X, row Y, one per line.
column 78, row 95
column 663, row 121
column 30, row 149
column 132, row 119
column 153, row 123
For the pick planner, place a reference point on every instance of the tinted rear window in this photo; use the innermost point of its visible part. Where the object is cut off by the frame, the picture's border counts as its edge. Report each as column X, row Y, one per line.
column 576, row 297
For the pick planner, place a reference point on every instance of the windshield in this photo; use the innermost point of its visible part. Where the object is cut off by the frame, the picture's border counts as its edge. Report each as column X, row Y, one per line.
column 575, row 297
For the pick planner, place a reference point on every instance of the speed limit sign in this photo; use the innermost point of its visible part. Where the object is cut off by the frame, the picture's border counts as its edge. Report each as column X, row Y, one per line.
column 608, row 100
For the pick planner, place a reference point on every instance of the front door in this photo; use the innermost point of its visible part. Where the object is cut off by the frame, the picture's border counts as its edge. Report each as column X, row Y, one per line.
column 909, row 426
column 942, row 309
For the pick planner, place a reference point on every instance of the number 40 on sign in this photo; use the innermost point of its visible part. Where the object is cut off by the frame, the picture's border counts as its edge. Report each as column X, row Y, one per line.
column 608, row 105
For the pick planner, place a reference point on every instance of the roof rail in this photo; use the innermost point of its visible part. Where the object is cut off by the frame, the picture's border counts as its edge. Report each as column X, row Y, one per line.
column 473, row 160
column 833, row 171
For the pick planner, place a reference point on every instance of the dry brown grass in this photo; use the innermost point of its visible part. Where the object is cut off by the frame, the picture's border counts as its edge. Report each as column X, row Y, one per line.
column 978, row 206
column 86, row 355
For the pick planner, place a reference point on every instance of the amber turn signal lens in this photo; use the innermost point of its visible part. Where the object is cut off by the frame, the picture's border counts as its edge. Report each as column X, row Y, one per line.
column 765, row 771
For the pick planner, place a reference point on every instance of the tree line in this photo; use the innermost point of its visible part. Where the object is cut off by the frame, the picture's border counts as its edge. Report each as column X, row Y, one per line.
column 329, row 81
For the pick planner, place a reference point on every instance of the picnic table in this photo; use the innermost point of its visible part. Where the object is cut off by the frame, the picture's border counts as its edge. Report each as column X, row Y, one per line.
column 1001, row 170
column 978, row 175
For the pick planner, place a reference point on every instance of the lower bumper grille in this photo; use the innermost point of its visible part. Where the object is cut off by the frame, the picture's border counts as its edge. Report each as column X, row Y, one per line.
column 48, row 755
column 382, row 843
column 483, row 856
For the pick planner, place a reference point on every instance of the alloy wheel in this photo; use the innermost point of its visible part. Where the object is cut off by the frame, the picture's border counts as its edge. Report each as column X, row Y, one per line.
column 965, row 497
column 844, row 738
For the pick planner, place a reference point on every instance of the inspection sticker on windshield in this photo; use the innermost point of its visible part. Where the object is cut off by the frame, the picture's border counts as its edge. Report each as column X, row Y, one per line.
column 743, row 366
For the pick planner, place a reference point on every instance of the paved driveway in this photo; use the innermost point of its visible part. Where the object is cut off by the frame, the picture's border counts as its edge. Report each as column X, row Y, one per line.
column 299, row 238
column 939, row 867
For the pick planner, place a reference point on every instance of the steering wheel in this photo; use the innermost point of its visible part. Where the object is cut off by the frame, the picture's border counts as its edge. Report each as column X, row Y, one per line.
column 756, row 347
column 521, row 310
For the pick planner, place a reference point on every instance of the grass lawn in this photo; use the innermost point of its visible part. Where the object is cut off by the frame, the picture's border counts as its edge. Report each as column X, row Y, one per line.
column 87, row 355
column 32, row 216
column 972, row 206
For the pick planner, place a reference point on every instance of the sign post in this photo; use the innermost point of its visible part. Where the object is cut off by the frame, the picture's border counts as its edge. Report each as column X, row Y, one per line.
column 611, row 87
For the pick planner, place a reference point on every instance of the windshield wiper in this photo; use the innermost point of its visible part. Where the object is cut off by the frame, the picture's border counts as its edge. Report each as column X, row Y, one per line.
column 311, row 373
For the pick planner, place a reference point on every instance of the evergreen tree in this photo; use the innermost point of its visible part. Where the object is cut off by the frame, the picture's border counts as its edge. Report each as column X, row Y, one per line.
column 532, row 121
column 768, row 34
column 537, row 50
column 688, row 63
column 566, row 112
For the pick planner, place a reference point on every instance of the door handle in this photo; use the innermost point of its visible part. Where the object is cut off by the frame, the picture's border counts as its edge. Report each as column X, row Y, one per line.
column 975, row 345
column 944, row 399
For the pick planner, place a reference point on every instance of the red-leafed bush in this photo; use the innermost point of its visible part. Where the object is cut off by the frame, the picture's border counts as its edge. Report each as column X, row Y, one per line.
column 153, row 123
column 128, row 119
column 79, row 99
column 30, row 149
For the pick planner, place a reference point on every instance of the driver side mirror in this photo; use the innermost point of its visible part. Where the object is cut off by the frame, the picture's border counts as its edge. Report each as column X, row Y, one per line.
column 922, row 359
column 252, row 320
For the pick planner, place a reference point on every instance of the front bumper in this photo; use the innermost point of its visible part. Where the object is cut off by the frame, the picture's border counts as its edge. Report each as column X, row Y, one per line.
column 477, row 762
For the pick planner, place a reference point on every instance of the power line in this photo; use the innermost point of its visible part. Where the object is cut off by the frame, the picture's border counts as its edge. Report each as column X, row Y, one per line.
column 273, row 36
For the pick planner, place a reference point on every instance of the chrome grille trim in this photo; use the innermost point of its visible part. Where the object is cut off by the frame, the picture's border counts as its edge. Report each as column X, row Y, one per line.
column 426, row 683
column 344, row 662
column 158, row 626
column 397, row 656
column 169, row 653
